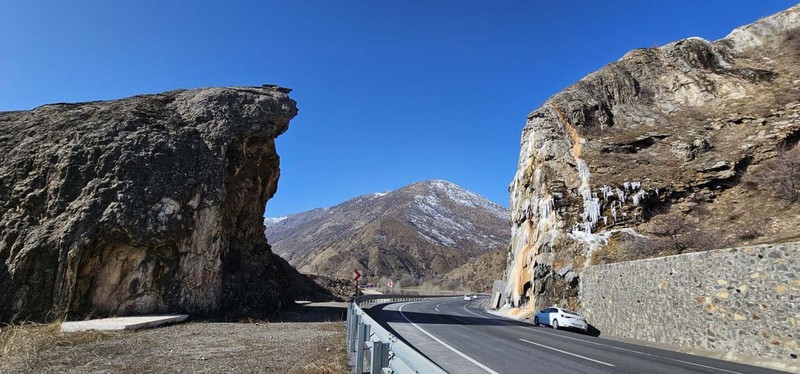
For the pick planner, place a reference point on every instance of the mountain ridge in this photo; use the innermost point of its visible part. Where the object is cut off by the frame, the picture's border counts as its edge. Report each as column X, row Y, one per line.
column 420, row 231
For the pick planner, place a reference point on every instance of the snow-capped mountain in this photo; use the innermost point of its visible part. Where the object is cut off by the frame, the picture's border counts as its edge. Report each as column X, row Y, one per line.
column 423, row 230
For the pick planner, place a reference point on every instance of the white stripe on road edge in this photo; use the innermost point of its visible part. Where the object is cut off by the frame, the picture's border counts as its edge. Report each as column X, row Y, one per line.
column 615, row 347
column 470, row 359
column 568, row 353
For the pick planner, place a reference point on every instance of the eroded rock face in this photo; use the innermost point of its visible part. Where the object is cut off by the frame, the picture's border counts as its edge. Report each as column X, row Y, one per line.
column 648, row 155
column 148, row 204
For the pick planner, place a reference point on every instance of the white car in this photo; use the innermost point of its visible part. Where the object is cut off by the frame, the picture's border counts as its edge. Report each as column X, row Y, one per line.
column 467, row 298
column 558, row 318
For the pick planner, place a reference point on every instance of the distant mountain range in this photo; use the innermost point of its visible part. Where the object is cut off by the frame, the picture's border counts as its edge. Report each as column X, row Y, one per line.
column 419, row 232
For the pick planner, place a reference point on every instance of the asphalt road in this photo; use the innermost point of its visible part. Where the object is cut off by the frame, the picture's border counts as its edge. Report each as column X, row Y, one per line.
column 462, row 338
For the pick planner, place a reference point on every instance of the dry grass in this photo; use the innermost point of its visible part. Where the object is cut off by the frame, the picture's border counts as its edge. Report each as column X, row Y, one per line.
column 332, row 359
column 196, row 347
column 22, row 343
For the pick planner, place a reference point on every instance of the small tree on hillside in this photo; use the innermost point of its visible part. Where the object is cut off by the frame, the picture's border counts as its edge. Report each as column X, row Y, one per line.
column 779, row 176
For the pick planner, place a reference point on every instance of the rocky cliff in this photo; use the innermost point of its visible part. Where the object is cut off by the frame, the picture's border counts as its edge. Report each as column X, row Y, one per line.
column 685, row 147
column 418, row 232
column 147, row 204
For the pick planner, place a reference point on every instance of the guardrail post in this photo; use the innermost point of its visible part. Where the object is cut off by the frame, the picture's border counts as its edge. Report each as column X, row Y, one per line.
column 380, row 357
column 363, row 335
column 351, row 343
column 348, row 320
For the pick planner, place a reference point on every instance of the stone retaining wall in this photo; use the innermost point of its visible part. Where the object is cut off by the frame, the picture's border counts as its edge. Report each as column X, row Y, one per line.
column 742, row 300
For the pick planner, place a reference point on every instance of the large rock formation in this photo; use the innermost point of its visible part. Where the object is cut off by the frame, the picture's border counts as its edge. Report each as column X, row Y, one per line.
column 418, row 232
column 148, row 204
column 689, row 146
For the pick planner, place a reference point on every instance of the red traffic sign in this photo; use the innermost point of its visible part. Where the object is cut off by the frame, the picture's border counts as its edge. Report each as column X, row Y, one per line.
column 356, row 275
column 390, row 284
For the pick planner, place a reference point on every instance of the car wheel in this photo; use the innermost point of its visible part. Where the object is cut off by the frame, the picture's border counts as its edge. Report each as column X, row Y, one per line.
column 555, row 324
column 536, row 321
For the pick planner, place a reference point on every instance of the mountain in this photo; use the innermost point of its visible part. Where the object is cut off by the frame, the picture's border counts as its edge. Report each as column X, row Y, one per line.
column 685, row 147
column 423, row 230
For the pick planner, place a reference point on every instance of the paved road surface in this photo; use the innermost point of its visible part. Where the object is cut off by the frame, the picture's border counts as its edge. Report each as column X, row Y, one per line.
column 462, row 338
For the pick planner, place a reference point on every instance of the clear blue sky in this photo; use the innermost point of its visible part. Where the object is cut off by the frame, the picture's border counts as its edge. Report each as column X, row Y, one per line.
column 390, row 92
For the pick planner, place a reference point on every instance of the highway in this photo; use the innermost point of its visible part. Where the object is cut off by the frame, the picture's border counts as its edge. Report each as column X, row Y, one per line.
column 462, row 338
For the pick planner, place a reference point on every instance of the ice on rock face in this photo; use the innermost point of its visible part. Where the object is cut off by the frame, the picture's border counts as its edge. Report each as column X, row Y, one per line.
column 545, row 207
column 583, row 170
column 591, row 211
column 607, row 192
column 637, row 197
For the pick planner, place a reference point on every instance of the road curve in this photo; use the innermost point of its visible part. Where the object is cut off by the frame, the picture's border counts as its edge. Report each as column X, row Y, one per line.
column 462, row 338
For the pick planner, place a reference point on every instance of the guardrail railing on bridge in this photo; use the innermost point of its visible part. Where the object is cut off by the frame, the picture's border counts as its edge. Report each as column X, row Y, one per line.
column 387, row 353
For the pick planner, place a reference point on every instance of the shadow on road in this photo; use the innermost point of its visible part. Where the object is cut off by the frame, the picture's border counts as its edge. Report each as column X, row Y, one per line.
column 384, row 317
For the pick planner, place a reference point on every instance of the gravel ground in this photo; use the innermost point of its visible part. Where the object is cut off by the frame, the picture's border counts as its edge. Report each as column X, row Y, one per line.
column 305, row 344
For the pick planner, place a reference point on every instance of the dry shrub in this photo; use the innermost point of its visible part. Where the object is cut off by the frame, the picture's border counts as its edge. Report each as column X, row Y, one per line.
column 791, row 41
column 749, row 234
column 680, row 235
column 637, row 247
column 779, row 176
column 429, row 288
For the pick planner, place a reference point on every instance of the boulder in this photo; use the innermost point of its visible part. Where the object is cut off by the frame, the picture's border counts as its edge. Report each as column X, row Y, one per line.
column 148, row 204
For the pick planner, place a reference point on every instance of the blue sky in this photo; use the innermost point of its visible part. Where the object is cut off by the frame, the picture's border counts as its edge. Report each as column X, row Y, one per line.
column 390, row 92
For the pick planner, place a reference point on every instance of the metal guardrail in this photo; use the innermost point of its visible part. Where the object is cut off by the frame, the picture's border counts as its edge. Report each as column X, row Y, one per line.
column 387, row 353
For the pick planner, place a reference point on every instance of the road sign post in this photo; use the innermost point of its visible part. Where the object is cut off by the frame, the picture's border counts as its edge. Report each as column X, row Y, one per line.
column 356, row 276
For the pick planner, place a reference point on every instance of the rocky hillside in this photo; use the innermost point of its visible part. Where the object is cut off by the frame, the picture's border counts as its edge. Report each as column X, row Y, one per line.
column 149, row 204
column 423, row 230
column 477, row 274
column 685, row 147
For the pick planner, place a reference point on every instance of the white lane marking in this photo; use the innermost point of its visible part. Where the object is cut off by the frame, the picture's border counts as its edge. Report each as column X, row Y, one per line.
column 635, row 351
column 568, row 353
column 469, row 311
column 615, row 347
column 470, row 359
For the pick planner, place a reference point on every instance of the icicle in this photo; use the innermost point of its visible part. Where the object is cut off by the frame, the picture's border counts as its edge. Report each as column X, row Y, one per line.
column 637, row 197
column 545, row 207
column 627, row 185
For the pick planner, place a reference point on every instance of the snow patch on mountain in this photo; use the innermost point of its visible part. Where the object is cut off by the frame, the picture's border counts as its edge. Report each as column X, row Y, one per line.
column 274, row 220
column 467, row 198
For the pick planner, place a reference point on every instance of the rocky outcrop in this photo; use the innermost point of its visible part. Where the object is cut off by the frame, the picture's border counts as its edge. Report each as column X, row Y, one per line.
column 657, row 154
column 416, row 233
column 147, row 204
